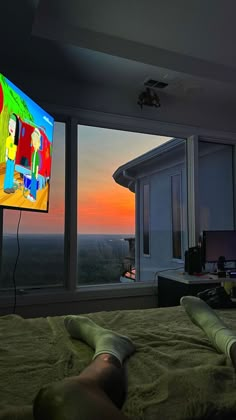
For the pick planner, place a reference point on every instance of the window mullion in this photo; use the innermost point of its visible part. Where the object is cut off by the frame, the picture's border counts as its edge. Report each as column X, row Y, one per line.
column 192, row 188
column 137, row 230
column 70, row 250
column 234, row 183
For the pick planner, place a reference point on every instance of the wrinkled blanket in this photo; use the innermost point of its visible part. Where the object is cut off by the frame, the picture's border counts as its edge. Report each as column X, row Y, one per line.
column 174, row 374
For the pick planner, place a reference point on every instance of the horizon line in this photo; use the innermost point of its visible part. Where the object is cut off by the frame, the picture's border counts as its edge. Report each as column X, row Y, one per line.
column 48, row 234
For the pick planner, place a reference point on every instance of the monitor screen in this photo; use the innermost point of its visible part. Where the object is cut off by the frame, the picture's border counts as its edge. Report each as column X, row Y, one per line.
column 26, row 138
column 219, row 243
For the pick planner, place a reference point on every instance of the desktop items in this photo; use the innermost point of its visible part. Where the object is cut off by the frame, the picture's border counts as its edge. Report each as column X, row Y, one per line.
column 219, row 247
column 26, row 142
column 216, row 298
column 193, row 262
column 221, row 267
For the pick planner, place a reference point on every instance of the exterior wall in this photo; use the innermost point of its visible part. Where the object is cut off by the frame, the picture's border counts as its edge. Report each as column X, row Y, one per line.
column 161, row 219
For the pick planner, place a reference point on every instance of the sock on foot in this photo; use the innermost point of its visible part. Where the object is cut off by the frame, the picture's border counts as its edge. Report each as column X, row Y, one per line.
column 100, row 339
column 204, row 317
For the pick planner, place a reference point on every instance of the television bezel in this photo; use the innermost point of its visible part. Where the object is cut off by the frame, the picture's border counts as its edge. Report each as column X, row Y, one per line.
column 32, row 209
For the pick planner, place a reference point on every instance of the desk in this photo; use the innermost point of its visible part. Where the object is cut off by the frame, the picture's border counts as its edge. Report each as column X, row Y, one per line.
column 172, row 285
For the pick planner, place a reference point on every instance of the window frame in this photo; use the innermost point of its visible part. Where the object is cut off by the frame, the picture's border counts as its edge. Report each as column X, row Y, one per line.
column 144, row 210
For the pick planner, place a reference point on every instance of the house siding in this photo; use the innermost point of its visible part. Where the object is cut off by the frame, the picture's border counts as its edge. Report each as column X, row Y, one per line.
column 161, row 249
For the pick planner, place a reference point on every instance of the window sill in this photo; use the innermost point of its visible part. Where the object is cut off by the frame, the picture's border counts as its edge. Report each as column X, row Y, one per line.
column 82, row 293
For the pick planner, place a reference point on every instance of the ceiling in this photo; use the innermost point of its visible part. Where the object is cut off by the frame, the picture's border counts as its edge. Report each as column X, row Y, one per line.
column 188, row 44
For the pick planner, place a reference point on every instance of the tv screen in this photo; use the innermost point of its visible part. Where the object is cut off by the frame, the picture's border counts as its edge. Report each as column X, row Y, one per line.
column 26, row 141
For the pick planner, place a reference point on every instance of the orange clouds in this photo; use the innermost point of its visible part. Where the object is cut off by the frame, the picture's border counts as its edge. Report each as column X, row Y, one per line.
column 107, row 211
column 103, row 205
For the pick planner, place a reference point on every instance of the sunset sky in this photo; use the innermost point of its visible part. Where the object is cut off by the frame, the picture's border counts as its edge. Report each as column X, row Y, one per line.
column 103, row 205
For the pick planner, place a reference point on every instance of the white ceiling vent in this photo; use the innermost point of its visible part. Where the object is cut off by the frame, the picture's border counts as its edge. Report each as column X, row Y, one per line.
column 155, row 84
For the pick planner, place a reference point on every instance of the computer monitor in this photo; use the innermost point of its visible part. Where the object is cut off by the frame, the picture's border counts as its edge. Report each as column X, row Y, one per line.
column 219, row 243
column 26, row 142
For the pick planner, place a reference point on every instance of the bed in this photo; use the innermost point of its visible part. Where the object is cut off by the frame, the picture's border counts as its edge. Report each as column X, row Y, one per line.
column 175, row 373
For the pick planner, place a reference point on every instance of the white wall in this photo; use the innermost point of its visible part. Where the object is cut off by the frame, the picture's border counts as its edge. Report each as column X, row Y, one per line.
column 121, row 101
column 80, row 302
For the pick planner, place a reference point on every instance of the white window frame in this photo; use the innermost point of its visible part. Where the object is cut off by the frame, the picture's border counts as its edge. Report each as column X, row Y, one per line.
column 149, row 221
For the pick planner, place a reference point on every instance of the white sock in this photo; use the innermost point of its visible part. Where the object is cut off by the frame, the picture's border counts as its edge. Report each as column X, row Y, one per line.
column 100, row 339
column 204, row 317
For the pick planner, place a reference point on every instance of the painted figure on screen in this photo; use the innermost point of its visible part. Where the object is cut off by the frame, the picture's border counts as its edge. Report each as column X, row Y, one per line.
column 35, row 136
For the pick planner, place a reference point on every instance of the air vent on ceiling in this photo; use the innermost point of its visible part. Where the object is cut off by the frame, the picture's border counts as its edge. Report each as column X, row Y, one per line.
column 155, row 84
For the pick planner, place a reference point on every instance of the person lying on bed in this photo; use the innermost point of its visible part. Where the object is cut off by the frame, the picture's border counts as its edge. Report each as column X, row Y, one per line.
column 99, row 392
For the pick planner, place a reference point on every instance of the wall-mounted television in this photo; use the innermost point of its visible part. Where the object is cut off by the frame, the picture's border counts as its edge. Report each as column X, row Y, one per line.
column 26, row 142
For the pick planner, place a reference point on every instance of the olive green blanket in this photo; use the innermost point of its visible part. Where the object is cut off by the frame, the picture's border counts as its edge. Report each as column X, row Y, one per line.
column 175, row 373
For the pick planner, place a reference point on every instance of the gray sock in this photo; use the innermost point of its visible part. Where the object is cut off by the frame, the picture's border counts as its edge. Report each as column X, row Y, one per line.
column 100, row 339
column 204, row 317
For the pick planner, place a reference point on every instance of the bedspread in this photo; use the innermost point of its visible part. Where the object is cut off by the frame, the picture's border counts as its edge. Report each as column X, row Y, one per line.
column 175, row 373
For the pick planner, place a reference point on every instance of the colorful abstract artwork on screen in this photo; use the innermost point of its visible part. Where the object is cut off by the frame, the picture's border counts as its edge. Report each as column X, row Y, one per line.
column 26, row 142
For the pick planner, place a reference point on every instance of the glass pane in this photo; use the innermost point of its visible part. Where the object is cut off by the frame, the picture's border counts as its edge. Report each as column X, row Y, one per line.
column 215, row 186
column 41, row 235
column 106, row 210
column 216, row 197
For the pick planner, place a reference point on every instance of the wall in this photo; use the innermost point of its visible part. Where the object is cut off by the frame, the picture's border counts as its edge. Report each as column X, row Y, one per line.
column 117, row 100
column 64, row 302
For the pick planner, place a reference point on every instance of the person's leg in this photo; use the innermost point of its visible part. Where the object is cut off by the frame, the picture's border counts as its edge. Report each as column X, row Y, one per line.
column 33, row 187
column 202, row 315
column 99, row 391
column 7, row 175
column 11, row 175
column 106, row 372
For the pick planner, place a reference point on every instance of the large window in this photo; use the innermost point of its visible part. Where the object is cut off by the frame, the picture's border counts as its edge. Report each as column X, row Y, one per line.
column 107, row 235
column 106, row 210
column 41, row 236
